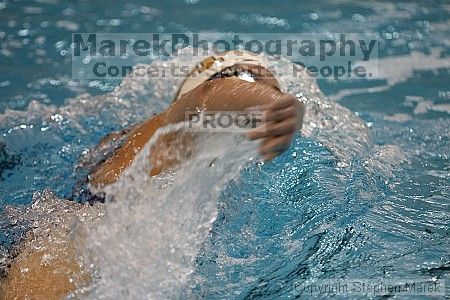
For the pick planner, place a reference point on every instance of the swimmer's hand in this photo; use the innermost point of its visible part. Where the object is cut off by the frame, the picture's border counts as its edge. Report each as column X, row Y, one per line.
column 282, row 119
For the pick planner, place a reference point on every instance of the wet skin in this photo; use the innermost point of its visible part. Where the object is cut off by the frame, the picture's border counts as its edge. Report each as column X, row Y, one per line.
column 283, row 115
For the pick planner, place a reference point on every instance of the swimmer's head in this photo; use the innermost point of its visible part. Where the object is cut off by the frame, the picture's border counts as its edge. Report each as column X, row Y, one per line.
column 245, row 65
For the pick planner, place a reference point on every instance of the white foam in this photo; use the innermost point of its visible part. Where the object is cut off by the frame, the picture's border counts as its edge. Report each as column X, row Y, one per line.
column 398, row 69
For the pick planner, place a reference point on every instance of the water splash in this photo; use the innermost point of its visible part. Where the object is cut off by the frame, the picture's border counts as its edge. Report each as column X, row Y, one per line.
column 154, row 226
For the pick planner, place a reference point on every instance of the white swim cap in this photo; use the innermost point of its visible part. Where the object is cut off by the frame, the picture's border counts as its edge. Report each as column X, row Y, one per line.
column 216, row 63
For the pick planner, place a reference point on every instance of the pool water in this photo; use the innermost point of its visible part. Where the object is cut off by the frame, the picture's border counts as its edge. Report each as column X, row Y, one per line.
column 362, row 193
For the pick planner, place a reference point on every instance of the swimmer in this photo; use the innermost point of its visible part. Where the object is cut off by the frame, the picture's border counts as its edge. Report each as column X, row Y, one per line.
column 233, row 81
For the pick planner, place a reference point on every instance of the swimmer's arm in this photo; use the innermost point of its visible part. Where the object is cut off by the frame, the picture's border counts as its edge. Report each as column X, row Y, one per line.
column 138, row 136
column 284, row 112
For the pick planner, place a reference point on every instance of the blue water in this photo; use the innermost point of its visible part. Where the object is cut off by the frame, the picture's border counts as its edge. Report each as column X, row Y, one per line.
column 381, row 216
